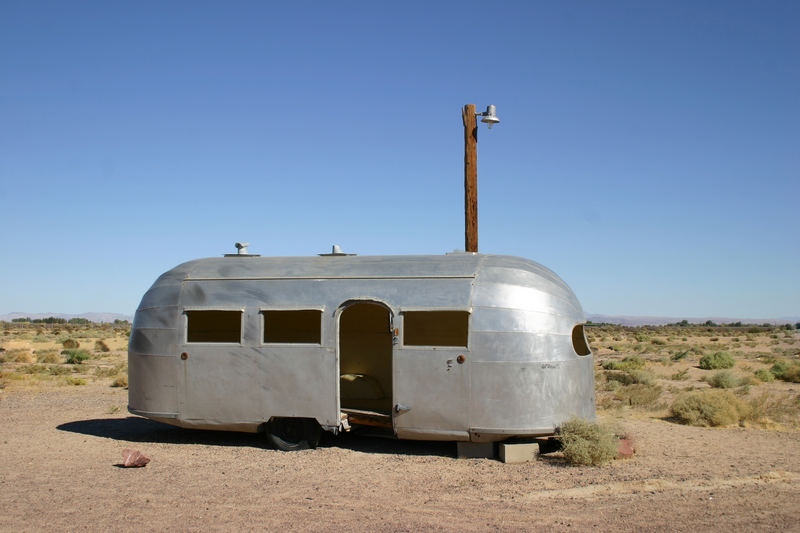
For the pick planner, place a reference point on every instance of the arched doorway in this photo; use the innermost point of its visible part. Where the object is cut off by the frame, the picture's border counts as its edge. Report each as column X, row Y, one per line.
column 365, row 357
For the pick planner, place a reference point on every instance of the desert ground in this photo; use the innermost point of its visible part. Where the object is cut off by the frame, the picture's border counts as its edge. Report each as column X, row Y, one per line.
column 65, row 424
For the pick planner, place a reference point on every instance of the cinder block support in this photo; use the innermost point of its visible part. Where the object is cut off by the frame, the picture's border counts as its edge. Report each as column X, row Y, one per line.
column 475, row 450
column 519, row 452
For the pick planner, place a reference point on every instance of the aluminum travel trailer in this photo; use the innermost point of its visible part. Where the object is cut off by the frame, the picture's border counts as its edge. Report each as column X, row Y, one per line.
column 458, row 347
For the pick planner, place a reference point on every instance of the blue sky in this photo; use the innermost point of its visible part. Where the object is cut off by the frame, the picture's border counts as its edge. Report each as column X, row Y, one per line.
column 648, row 151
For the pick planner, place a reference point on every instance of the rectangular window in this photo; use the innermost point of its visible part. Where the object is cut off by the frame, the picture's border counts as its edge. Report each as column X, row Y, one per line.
column 301, row 326
column 213, row 326
column 435, row 328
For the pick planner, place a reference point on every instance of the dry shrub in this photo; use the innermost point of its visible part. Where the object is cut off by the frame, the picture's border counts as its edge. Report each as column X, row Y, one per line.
column 105, row 371
column 587, row 443
column 680, row 355
column 101, row 346
column 708, row 408
column 632, row 362
column 717, row 360
column 33, row 369
column 70, row 344
column 111, row 371
column 120, row 381
column 631, row 377
column 725, row 380
column 18, row 355
column 75, row 381
column 680, row 376
column 786, row 371
column 48, row 356
column 773, row 407
column 639, row 395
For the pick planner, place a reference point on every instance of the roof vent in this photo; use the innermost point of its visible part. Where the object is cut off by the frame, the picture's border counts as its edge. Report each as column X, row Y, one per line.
column 336, row 250
column 241, row 251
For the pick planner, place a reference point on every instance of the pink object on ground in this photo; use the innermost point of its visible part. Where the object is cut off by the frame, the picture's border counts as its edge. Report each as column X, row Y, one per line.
column 133, row 458
column 625, row 448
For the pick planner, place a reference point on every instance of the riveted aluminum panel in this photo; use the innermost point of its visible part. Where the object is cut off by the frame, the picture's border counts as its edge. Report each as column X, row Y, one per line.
column 163, row 317
column 328, row 293
column 519, row 297
column 520, row 264
column 435, row 388
column 332, row 267
column 500, row 319
column 148, row 341
column 161, row 294
column 152, row 383
column 520, row 346
column 524, row 278
column 232, row 384
column 510, row 397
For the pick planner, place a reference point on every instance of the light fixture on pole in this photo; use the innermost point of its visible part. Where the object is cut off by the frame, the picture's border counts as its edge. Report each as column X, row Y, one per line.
column 490, row 116
column 469, row 115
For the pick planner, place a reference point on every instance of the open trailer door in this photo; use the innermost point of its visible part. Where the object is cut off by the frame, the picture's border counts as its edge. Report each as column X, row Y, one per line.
column 431, row 375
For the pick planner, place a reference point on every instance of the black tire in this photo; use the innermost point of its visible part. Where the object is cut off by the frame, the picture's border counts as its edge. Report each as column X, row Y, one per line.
column 292, row 434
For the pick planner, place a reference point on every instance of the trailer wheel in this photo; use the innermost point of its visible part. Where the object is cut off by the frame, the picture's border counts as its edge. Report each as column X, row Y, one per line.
column 292, row 434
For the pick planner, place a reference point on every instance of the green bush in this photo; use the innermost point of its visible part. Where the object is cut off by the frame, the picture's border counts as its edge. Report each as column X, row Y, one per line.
column 708, row 408
column 786, row 371
column 717, row 360
column 764, row 375
column 75, row 357
column 587, row 443
column 724, row 380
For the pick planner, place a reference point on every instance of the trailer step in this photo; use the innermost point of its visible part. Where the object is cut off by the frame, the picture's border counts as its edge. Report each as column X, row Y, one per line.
column 368, row 418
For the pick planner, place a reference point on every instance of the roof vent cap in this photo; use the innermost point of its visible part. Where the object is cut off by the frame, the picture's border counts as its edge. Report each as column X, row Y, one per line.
column 336, row 251
column 241, row 250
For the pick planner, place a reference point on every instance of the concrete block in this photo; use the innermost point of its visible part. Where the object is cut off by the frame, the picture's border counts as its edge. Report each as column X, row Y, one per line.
column 519, row 452
column 475, row 450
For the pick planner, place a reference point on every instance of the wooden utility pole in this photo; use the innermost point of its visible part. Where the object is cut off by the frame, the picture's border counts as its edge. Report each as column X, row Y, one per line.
column 470, row 178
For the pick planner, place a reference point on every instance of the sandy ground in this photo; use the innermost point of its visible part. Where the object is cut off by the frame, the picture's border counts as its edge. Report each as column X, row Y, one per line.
column 59, row 447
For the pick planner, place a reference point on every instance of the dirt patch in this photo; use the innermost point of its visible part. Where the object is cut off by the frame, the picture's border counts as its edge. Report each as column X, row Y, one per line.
column 64, row 428
column 60, row 446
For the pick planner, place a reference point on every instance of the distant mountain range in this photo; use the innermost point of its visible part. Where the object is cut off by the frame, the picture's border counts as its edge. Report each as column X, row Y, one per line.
column 661, row 320
column 608, row 319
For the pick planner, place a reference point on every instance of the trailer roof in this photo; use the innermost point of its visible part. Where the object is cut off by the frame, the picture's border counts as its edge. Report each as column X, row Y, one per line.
column 454, row 265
